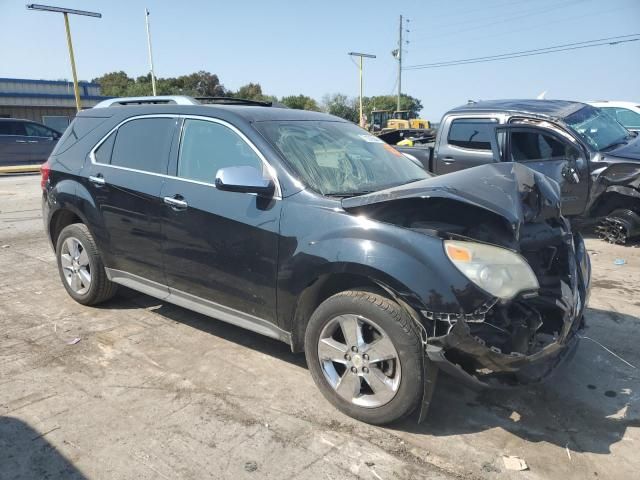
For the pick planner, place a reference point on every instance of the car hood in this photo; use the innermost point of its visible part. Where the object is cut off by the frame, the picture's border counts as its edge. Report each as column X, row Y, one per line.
column 510, row 190
column 629, row 151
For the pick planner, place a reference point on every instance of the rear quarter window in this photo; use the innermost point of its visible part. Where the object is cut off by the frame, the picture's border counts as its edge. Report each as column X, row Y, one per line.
column 78, row 128
column 471, row 133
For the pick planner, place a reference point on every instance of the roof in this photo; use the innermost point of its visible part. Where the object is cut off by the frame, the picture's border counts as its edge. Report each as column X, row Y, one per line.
column 547, row 108
column 245, row 112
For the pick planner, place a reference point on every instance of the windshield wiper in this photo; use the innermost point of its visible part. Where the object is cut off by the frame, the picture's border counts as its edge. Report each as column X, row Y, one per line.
column 348, row 194
column 614, row 144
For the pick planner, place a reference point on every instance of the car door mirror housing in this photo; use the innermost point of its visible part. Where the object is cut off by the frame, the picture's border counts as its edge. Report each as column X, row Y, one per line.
column 244, row 179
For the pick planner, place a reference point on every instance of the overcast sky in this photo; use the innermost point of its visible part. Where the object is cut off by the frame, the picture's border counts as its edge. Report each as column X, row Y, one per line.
column 293, row 47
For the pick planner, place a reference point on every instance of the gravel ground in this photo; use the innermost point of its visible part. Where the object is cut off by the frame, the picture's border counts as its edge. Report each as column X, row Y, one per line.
column 151, row 390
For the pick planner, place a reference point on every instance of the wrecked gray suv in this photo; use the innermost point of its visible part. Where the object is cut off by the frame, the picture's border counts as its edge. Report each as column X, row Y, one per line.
column 308, row 229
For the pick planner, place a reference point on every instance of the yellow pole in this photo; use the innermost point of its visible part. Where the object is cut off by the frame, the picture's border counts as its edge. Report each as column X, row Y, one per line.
column 361, row 117
column 76, row 89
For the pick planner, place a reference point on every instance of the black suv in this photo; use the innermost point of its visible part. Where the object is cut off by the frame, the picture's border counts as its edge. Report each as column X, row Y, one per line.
column 306, row 228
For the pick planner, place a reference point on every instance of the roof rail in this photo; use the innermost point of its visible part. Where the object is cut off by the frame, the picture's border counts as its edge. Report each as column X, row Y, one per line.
column 233, row 101
column 159, row 100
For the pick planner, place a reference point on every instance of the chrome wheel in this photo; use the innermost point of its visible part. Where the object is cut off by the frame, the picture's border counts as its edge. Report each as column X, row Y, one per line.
column 74, row 260
column 359, row 361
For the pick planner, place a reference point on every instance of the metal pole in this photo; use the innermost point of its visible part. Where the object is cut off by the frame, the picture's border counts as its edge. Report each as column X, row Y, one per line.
column 76, row 89
column 361, row 113
column 399, row 63
column 153, row 76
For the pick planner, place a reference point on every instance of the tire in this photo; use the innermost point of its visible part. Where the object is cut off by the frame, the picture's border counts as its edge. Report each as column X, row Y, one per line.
column 85, row 278
column 378, row 319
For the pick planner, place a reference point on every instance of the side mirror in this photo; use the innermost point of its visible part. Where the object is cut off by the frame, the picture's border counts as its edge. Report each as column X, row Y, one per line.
column 244, row 179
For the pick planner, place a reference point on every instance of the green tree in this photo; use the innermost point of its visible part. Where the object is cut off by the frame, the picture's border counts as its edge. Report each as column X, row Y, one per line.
column 300, row 102
column 390, row 102
column 114, row 84
column 341, row 106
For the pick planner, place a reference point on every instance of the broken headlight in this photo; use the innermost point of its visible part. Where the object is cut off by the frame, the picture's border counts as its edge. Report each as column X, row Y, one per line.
column 499, row 271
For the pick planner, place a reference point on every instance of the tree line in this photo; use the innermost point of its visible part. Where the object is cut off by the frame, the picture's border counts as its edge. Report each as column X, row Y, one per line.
column 206, row 84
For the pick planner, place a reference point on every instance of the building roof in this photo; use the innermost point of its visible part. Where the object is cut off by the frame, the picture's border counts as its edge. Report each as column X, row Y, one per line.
column 547, row 108
column 24, row 92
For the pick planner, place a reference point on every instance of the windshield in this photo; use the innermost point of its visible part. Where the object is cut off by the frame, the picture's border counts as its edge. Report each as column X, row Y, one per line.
column 338, row 158
column 597, row 128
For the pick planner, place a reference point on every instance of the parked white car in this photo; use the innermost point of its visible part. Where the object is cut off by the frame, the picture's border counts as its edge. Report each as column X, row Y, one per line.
column 627, row 113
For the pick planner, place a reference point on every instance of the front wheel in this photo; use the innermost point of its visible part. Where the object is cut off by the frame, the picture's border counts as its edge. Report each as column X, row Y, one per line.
column 364, row 354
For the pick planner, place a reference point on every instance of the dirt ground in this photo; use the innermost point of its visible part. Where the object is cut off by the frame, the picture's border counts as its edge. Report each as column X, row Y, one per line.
column 153, row 391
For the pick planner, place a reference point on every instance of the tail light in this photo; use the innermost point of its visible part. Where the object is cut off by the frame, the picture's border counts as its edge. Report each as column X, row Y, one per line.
column 45, row 170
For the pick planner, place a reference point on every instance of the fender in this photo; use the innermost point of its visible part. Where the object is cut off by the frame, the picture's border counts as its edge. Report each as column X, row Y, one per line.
column 409, row 263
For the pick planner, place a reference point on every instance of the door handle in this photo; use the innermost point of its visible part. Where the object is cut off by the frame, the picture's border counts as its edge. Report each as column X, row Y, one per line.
column 176, row 202
column 21, row 141
column 97, row 180
column 33, row 141
column 449, row 160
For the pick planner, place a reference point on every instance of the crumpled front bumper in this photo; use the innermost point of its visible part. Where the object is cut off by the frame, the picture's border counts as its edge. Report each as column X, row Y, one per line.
column 494, row 368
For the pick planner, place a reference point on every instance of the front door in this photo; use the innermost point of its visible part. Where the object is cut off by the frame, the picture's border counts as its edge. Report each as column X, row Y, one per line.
column 219, row 246
column 557, row 156
column 41, row 141
column 125, row 177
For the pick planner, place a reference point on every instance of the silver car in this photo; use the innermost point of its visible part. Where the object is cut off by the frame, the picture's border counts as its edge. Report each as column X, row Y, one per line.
column 23, row 142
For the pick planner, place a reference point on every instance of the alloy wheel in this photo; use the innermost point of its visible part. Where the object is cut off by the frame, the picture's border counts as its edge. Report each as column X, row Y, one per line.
column 74, row 260
column 358, row 359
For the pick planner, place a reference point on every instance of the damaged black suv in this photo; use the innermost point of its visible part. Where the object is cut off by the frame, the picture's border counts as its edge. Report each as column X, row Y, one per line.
column 305, row 228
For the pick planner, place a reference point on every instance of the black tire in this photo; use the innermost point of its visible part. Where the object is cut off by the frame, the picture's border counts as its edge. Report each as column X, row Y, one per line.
column 100, row 288
column 401, row 330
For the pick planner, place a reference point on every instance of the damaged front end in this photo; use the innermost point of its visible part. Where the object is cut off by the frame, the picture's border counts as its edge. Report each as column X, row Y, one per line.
column 508, row 338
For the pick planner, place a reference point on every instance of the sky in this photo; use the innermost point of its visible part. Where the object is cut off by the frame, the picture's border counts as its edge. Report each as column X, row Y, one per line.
column 293, row 47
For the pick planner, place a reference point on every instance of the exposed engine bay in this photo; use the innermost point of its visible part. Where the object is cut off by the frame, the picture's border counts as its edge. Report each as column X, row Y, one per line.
column 501, row 341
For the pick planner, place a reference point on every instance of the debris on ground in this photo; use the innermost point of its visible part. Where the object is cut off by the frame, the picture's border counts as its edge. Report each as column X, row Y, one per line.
column 490, row 468
column 369, row 464
column 619, row 261
column 566, row 447
column 74, row 341
column 514, row 463
column 6, row 246
column 251, row 466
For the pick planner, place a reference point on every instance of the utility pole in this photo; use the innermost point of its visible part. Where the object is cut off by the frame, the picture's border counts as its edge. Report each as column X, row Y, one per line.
column 399, row 63
column 153, row 75
column 360, row 73
column 66, row 12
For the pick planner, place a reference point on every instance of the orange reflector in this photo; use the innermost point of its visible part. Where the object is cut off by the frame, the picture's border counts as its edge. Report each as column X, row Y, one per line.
column 458, row 254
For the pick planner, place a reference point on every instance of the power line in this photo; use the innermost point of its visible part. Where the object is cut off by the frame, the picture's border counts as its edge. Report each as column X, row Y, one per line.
column 476, row 26
column 530, row 53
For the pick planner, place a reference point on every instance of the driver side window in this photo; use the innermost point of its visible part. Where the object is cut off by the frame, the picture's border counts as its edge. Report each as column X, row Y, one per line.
column 530, row 146
column 207, row 147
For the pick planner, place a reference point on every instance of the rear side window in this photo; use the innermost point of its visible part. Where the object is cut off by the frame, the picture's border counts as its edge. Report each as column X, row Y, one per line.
column 12, row 128
column 144, row 144
column 207, row 147
column 471, row 133
column 35, row 130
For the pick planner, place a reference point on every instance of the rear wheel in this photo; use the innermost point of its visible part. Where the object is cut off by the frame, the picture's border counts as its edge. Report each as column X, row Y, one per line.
column 364, row 354
column 80, row 266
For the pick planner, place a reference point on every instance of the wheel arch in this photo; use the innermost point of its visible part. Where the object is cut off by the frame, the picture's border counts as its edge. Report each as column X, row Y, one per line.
column 328, row 284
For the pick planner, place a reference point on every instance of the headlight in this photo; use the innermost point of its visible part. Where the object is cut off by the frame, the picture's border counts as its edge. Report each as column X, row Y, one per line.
column 498, row 271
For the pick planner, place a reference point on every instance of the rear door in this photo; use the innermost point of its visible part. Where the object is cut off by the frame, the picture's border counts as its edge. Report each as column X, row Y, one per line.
column 467, row 144
column 125, row 176
column 41, row 141
column 554, row 154
column 220, row 246
column 14, row 146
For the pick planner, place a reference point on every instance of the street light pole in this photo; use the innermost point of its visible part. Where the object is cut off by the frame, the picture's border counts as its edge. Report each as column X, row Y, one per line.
column 360, row 72
column 153, row 75
column 76, row 88
column 66, row 12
